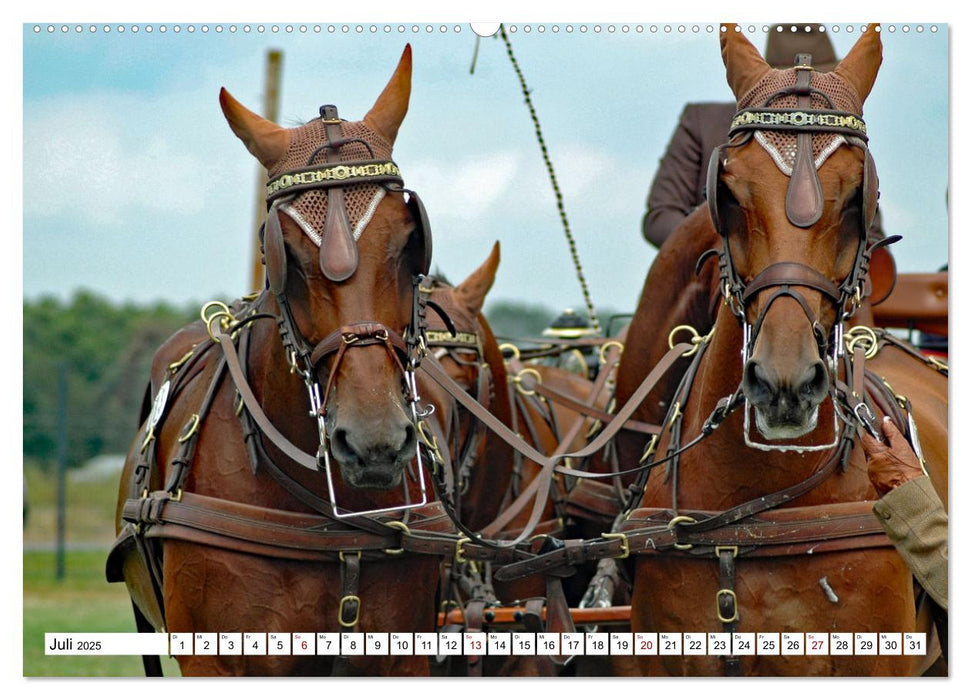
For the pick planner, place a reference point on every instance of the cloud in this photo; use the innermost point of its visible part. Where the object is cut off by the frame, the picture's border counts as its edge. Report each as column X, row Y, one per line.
column 579, row 166
column 102, row 158
column 464, row 189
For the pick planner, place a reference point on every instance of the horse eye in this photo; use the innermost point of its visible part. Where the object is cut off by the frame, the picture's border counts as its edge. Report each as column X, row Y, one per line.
column 853, row 209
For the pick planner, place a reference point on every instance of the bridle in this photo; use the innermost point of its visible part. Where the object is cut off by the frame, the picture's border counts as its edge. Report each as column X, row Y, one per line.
column 338, row 261
column 804, row 207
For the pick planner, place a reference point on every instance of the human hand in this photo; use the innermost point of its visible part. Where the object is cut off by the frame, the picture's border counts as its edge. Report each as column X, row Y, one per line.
column 892, row 464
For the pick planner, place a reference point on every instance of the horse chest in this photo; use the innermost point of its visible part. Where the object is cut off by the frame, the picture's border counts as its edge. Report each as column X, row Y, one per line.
column 808, row 593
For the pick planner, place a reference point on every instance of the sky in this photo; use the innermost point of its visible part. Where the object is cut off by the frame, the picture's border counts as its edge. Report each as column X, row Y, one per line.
column 135, row 188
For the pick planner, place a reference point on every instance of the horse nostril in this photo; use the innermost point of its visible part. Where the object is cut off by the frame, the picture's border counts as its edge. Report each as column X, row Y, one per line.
column 410, row 438
column 815, row 383
column 341, row 447
column 757, row 383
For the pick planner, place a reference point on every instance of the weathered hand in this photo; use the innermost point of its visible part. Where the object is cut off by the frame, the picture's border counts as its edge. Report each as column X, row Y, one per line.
column 892, row 464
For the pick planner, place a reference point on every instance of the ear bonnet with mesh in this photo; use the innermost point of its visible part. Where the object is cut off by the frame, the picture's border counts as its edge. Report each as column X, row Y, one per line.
column 330, row 182
column 800, row 117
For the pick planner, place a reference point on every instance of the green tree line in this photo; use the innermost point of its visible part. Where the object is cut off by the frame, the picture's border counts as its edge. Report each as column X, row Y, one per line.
column 106, row 350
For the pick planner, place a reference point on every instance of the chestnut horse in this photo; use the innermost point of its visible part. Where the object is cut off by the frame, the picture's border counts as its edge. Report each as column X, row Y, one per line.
column 790, row 267
column 238, row 511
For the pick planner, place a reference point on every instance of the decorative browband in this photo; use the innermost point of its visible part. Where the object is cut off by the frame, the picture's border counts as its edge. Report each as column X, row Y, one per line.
column 445, row 338
column 342, row 174
column 799, row 120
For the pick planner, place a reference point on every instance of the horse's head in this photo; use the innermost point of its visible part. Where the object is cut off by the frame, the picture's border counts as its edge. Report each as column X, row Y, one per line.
column 793, row 194
column 343, row 243
column 470, row 356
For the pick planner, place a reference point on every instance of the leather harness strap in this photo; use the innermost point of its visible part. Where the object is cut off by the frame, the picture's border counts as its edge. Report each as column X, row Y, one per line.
column 779, row 532
column 538, row 489
column 727, row 602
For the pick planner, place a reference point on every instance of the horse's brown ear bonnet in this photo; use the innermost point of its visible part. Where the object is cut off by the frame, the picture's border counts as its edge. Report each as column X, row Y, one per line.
column 800, row 117
column 332, row 201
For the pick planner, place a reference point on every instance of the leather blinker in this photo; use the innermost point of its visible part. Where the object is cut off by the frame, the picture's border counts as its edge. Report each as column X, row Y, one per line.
column 711, row 186
column 274, row 253
column 871, row 190
column 422, row 230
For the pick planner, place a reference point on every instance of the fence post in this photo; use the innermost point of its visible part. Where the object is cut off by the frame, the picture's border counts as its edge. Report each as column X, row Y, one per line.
column 61, row 467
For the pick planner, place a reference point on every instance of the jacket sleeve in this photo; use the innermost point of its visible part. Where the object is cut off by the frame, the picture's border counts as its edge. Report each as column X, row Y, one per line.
column 914, row 518
column 673, row 192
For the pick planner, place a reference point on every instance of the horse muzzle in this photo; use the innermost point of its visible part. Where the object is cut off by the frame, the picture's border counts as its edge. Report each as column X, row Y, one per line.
column 374, row 458
column 785, row 407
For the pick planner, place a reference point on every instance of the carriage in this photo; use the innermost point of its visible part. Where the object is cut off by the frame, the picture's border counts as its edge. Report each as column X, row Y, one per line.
column 351, row 449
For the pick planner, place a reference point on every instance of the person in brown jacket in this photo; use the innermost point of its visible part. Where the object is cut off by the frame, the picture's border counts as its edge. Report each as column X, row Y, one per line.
column 909, row 509
column 679, row 184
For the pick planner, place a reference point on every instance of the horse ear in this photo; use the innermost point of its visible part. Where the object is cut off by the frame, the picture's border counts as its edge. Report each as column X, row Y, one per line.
column 744, row 65
column 861, row 64
column 264, row 139
column 389, row 111
column 472, row 292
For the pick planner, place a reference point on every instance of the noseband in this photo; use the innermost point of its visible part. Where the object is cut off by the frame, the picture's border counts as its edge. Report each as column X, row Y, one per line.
column 338, row 260
column 804, row 207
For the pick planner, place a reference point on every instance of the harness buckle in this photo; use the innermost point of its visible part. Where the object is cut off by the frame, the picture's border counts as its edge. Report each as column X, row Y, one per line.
column 340, row 554
column 624, row 544
column 732, row 599
column 349, row 600
column 222, row 313
column 863, row 336
column 606, row 346
column 514, row 350
column 696, row 340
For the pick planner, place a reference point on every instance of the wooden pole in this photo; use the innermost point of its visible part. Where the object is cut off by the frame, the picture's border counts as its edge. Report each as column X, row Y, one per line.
column 271, row 103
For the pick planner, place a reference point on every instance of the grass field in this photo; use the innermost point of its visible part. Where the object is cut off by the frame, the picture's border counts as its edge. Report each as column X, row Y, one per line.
column 82, row 601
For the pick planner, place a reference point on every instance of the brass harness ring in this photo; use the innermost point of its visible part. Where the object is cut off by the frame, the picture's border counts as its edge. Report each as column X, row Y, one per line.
column 696, row 339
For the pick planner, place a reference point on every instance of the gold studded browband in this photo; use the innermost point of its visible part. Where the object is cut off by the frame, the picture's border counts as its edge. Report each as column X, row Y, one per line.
column 343, row 174
column 461, row 339
column 816, row 120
